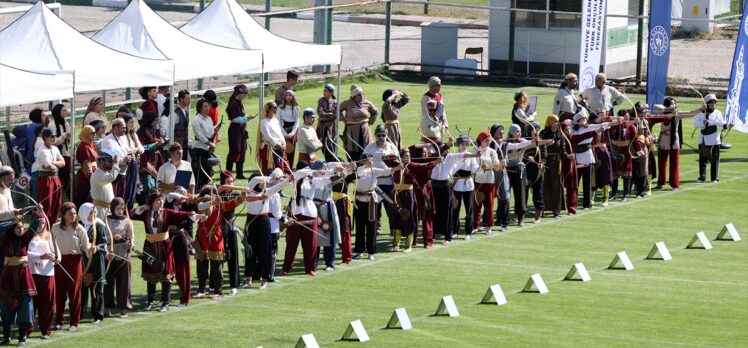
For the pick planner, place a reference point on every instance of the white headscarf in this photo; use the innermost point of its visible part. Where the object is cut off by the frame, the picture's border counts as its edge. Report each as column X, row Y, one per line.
column 83, row 212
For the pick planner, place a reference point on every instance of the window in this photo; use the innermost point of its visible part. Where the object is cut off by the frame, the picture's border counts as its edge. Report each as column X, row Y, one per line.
column 549, row 20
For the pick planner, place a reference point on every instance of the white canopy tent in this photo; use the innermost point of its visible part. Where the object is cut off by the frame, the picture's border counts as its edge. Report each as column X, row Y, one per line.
column 39, row 40
column 18, row 86
column 225, row 22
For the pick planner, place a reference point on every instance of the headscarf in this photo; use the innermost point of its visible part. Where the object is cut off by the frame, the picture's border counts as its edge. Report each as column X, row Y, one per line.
column 116, row 202
column 433, row 81
column 87, row 134
column 83, row 212
column 59, row 121
column 330, row 88
column 356, row 90
column 513, row 128
column 550, row 120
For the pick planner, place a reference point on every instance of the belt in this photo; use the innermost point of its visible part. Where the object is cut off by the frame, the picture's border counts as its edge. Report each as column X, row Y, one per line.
column 47, row 174
column 100, row 203
column 403, row 187
column 392, row 122
column 621, row 143
column 598, row 145
column 364, row 193
column 16, row 260
column 157, row 237
column 353, row 123
column 258, row 215
column 440, row 182
column 214, row 255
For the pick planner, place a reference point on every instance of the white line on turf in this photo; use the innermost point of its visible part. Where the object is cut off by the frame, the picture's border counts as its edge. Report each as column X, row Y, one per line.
column 84, row 331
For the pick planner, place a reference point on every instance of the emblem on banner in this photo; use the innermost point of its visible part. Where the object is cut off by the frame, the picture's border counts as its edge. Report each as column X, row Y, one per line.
column 658, row 40
column 23, row 181
column 588, row 78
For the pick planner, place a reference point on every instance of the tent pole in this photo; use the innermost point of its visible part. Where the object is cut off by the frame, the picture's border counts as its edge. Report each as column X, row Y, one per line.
column 171, row 114
column 337, row 109
column 71, row 150
column 103, row 99
column 7, row 117
column 261, row 97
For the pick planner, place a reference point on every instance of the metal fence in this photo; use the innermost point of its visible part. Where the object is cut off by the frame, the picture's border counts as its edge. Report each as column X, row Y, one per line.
column 509, row 38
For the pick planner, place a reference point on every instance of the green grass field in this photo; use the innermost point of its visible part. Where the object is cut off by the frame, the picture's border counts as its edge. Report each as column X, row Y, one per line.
column 700, row 298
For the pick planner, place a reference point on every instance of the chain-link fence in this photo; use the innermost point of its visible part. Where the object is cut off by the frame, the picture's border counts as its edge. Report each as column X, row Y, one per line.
column 509, row 38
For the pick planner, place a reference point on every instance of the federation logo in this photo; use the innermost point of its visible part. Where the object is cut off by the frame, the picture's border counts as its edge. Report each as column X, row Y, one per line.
column 588, row 78
column 658, row 40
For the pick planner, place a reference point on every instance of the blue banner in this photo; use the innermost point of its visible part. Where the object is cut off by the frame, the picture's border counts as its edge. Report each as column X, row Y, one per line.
column 659, row 50
column 737, row 96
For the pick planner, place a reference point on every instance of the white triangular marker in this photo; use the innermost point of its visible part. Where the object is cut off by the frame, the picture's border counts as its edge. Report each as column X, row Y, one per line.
column 356, row 327
column 659, row 249
column 731, row 230
column 623, row 258
column 494, row 292
column 307, row 341
column 399, row 316
column 699, row 238
column 579, row 269
column 447, row 304
column 535, row 284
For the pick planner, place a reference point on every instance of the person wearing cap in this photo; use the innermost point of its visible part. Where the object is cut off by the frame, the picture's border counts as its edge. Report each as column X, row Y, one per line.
column 238, row 134
column 150, row 102
column 102, row 190
column 463, row 187
column 393, row 100
column 159, row 223
column 151, row 159
column 601, row 96
column 710, row 123
column 583, row 152
column 670, row 141
column 382, row 152
column 8, row 210
column 95, row 112
column 434, row 94
column 292, row 78
column 485, row 186
column 203, row 145
column 514, row 150
column 553, row 185
column 309, row 144
column 366, row 205
column 288, row 117
column 358, row 114
column 327, row 127
column 565, row 102
column 16, row 281
column 120, row 143
column 519, row 112
column 49, row 188
column 167, row 173
column 270, row 142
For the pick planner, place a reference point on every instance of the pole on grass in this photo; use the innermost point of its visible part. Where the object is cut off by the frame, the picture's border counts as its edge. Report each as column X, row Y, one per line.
column 387, row 24
column 268, row 4
column 640, row 43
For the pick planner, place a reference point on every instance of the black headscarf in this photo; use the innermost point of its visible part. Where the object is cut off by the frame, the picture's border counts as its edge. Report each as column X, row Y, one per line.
column 59, row 121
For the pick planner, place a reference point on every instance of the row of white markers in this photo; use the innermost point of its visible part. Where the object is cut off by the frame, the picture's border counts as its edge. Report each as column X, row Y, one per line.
column 494, row 294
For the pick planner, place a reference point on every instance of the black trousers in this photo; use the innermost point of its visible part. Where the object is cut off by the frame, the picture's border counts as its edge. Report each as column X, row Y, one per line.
column 519, row 192
column 536, row 184
column 215, row 276
column 259, row 263
column 443, row 203
column 366, row 231
column 462, row 198
column 165, row 292
column 230, row 246
column 584, row 176
column 201, row 168
column 97, row 299
column 713, row 161
column 387, row 189
column 626, row 187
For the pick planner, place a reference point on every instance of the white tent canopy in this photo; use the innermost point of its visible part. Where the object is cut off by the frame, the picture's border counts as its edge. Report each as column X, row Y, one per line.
column 225, row 22
column 41, row 41
column 138, row 30
column 19, row 86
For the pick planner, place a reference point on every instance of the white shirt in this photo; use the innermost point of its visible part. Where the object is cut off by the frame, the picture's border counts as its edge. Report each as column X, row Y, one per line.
column 44, row 157
column 121, row 146
column 168, row 172
column 308, row 141
column 37, row 248
column 275, row 213
column 714, row 119
column 204, row 132
column 94, row 116
column 441, row 115
column 602, row 99
column 101, row 186
column 306, row 204
column 564, row 101
column 465, row 185
column 443, row 171
column 6, row 205
column 430, row 128
column 587, row 157
column 377, row 155
column 288, row 114
column 160, row 100
column 521, row 115
column 263, row 207
column 271, row 132
column 490, row 158
column 367, row 181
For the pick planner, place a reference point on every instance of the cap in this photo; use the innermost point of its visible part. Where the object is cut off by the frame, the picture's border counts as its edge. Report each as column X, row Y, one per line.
column 570, row 76
column 433, row 81
column 710, row 98
column 5, row 170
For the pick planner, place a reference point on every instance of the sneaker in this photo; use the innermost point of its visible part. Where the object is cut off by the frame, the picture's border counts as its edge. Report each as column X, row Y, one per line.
column 96, row 321
column 504, row 228
column 521, row 223
column 57, row 327
column 232, row 292
column 625, row 199
column 572, row 214
column 107, row 312
column 537, row 221
column 676, row 189
column 639, row 196
column 604, row 204
column 72, row 328
column 264, row 284
column 164, row 308
column 715, row 181
column 371, row 257
column 700, row 180
column 467, row 237
column 447, row 242
column 408, row 249
column 247, row 283
column 149, row 306
column 199, row 294
column 216, row 297
column 357, row 256
column 284, row 273
column 557, row 216
column 123, row 313
column 328, row 268
column 45, row 337
column 21, row 343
